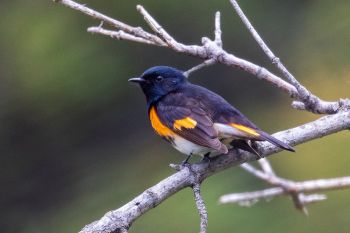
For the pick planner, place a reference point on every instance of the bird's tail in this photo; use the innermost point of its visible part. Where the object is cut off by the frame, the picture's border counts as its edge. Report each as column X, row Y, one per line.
column 275, row 141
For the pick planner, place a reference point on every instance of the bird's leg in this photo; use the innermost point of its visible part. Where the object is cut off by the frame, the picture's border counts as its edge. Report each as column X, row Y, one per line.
column 186, row 160
column 246, row 145
column 254, row 147
column 206, row 157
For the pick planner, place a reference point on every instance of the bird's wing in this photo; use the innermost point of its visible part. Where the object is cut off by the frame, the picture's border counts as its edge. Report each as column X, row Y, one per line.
column 228, row 121
column 190, row 122
column 231, row 122
column 234, row 123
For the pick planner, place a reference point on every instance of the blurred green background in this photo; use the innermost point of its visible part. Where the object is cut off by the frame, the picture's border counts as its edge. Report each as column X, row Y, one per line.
column 75, row 140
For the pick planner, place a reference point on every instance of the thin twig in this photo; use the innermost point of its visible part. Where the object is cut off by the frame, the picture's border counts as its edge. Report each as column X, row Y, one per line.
column 274, row 59
column 304, row 186
column 296, row 197
column 218, row 32
column 218, row 41
column 266, row 166
column 270, row 177
column 312, row 198
column 155, row 26
column 136, row 31
column 121, row 35
column 198, row 67
column 310, row 101
column 201, row 207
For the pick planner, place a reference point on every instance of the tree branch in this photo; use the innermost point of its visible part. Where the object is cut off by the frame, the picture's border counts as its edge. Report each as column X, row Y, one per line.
column 136, row 31
column 309, row 101
column 218, row 41
column 304, row 186
column 208, row 50
column 201, row 207
column 218, row 32
column 155, row 26
column 270, row 177
column 266, row 166
column 198, row 67
column 120, row 35
column 127, row 214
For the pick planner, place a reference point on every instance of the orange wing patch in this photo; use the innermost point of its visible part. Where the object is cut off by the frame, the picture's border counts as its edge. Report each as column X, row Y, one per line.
column 158, row 126
column 187, row 123
column 245, row 129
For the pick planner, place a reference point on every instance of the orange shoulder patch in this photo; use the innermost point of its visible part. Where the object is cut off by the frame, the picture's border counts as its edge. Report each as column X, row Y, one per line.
column 157, row 125
column 245, row 129
column 187, row 123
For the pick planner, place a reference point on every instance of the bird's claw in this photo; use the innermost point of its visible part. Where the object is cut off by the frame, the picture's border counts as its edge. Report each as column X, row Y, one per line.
column 206, row 158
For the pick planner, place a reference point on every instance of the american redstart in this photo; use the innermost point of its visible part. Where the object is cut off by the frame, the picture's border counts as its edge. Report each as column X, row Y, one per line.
column 194, row 119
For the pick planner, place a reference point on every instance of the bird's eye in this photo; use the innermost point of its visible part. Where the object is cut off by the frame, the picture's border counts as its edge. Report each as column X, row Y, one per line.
column 159, row 78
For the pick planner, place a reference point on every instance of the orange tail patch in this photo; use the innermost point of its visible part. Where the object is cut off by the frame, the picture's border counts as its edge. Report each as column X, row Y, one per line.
column 245, row 129
column 187, row 123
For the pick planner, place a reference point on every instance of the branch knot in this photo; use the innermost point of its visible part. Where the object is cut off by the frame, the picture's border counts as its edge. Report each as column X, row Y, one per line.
column 275, row 60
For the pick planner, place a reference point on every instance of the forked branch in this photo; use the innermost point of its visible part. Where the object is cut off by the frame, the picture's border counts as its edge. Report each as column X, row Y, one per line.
column 297, row 187
column 211, row 50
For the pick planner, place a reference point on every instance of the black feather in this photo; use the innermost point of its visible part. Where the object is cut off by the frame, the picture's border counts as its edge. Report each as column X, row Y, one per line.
column 244, row 145
column 275, row 141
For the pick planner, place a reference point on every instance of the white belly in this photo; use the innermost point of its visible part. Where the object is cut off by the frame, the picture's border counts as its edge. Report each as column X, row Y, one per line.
column 187, row 147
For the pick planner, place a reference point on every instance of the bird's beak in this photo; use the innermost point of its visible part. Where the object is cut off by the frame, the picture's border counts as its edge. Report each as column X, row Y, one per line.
column 136, row 80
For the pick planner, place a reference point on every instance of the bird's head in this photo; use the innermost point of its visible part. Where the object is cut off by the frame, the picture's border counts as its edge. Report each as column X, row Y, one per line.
column 158, row 81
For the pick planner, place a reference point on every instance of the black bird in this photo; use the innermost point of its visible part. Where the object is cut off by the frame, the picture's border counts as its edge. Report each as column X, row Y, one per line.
column 194, row 119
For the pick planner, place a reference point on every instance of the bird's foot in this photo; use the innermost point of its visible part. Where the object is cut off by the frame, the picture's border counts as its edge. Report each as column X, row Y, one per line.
column 185, row 162
column 206, row 158
column 255, row 149
column 182, row 165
